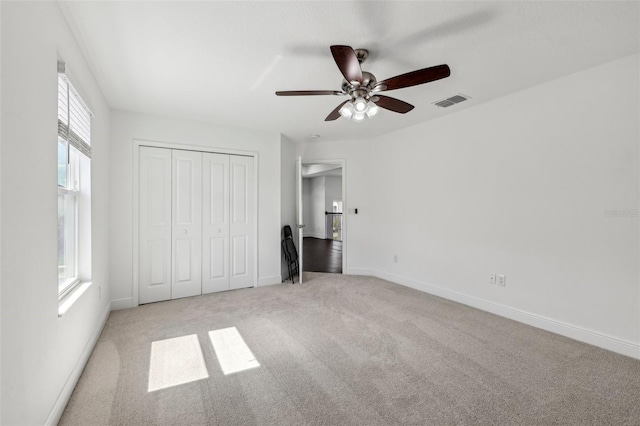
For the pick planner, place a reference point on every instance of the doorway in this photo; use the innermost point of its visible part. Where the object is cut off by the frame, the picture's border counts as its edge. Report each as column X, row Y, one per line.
column 322, row 197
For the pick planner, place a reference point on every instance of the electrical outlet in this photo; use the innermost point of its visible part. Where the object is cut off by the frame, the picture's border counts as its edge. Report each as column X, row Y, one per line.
column 502, row 280
column 395, row 258
column 492, row 279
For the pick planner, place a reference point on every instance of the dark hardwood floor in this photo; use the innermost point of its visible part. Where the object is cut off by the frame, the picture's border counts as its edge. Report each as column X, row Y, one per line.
column 322, row 255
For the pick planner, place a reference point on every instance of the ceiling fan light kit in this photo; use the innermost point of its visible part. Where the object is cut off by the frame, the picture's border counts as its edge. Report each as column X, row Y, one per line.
column 359, row 104
column 358, row 109
column 363, row 88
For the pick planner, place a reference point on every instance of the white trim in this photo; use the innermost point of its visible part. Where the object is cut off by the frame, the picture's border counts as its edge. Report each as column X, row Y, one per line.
column 65, row 394
column 71, row 295
column 358, row 271
column 581, row 334
column 70, row 285
column 135, row 236
column 343, row 164
column 137, row 143
column 275, row 279
column 314, row 235
column 125, row 303
column 68, row 191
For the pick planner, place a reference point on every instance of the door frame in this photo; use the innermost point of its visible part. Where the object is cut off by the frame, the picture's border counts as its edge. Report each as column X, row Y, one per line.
column 343, row 165
column 137, row 143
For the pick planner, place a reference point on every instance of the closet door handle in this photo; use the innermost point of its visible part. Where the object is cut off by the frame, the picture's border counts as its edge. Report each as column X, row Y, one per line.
column 184, row 231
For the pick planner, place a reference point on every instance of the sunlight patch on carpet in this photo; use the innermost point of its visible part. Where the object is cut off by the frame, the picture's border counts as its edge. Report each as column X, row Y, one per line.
column 232, row 352
column 175, row 362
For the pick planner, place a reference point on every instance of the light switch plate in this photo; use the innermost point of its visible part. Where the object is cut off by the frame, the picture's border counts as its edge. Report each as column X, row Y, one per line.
column 502, row 280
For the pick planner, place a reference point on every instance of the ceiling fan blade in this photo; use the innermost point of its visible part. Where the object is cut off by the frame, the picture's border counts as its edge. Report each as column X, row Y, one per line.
column 393, row 104
column 414, row 78
column 308, row 92
column 348, row 63
column 335, row 114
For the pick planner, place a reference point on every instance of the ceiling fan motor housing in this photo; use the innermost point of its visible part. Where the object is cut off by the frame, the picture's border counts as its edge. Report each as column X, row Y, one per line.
column 368, row 83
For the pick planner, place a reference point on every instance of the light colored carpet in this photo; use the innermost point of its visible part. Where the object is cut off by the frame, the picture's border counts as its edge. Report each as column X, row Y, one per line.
column 350, row 350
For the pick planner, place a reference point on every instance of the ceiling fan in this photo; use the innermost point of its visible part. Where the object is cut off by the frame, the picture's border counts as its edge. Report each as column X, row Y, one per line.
column 363, row 88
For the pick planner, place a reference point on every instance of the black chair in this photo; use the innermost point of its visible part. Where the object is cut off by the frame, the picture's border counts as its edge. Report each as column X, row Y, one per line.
column 287, row 232
column 290, row 253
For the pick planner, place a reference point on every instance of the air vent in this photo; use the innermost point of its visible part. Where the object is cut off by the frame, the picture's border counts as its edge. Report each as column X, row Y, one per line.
column 445, row 103
column 457, row 99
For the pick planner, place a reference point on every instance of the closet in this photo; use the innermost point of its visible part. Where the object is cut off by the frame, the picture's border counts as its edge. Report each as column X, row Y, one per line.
column 197, row 223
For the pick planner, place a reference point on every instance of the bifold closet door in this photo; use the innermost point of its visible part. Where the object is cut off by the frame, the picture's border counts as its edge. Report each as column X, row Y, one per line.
column 155, row 225
column 228, row 226
column 215, row 222
column 242, row 237
column 186, row 229
column 197, row 223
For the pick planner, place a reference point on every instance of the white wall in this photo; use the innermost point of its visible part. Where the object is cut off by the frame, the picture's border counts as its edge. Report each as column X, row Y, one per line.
column 333, row 191
column 318, row 197
column 521, row 186
column 43, row 355
column 314, row 210
column 127, row 127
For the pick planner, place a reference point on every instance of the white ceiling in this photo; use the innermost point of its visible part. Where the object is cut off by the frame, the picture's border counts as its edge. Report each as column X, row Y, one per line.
column 222, row 61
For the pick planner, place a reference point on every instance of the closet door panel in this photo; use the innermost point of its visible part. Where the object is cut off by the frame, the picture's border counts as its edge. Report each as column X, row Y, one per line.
column 239, row 255
column 158, row 262
column 154, row 277
column 186, row 223
column 215, row 223
column 218, row 258
column 241, row 228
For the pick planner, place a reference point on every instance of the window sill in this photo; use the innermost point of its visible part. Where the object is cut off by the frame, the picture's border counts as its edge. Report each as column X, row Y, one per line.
column 69, row 299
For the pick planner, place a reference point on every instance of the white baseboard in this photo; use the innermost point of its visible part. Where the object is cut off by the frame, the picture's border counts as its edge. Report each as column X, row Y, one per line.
column 564, row 329
column 125, row 303
column 358, row 271
column 275, row 279
column 69, row 386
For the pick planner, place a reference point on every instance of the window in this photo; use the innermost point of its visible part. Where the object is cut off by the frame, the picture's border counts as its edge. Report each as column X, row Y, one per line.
column 74, row 187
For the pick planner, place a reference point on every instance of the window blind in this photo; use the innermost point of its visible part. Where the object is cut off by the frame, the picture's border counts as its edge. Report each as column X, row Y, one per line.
column 74, row 118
